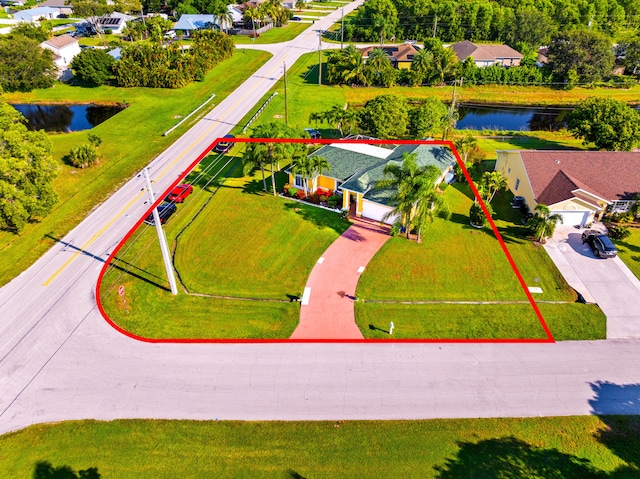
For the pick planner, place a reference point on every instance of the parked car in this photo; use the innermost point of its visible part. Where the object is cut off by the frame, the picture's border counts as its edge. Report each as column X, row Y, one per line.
column 165, row 210
column 601, row 244
column 179, row 193
column 296, row 19
column 313, row 133
column 224, row 146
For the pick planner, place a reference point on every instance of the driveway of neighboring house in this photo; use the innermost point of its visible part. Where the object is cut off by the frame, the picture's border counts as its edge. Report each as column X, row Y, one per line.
column 326, row 310
column 607, row 282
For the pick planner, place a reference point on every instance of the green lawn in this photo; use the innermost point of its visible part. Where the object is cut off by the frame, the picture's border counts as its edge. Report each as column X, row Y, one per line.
column 629, row 251
column 275, row 35
column 588, row 447
column 243, row 244
column 458, row 263
column 130, row 140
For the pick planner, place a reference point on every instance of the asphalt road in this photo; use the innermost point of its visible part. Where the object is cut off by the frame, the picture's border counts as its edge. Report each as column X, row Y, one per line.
column 60, row 360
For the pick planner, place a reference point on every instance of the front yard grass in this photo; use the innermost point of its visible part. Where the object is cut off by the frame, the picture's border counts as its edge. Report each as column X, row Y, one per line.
column 131, row 139
column 458, row 263
column 243, row 244
column 586, row 447
column 629, row 251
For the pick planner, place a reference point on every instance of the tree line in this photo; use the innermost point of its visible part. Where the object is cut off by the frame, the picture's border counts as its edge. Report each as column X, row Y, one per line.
column 533, row 23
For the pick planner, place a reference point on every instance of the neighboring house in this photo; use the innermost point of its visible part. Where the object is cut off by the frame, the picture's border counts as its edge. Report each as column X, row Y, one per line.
column 487, row 55
column 116, row 53
column 355, row 170
column 61, row 6
column 115, row 22
column 35, row 14
column 64, row 48
column 188, row 22
column 578, row 185
column 401, row 56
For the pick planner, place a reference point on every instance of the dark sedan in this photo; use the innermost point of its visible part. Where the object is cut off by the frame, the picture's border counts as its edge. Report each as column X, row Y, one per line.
column 601, row 244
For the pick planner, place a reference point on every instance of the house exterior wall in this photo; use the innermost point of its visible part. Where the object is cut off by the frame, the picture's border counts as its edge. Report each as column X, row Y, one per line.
column 376, row 211
column 326, row 182
column 404, row 65
column 571, row 208
column 510, row 164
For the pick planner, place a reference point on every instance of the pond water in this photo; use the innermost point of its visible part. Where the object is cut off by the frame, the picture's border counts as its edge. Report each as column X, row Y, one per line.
column 493, row 117
column 66, row 118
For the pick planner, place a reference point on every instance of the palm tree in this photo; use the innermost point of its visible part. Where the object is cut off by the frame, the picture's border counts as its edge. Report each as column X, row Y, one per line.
column 316, row 116
column 412, row 186
column 253, row 15
column 303, row 166
column 349, row 118
column 490, row 183
column 422, row 62
column 378, row 64
column 543, row 223
column 450, row 120
column 465, row 146
column 444, row 63
column 353, row 67
column 224, row 18
column 319, row 165
column 253, row 158
column 300, row 4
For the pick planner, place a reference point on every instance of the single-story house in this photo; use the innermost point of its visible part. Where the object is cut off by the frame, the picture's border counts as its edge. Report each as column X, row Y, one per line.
column 190, row 22
column 115, row 22
column 578, row 185
column 487, row 55
column 401, row 56
column 64, row 48
column 61, row 6
column 35, row 14
column 116, row 53
column 356, row 168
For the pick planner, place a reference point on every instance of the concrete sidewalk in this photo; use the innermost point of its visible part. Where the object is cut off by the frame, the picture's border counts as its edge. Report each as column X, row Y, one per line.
column 327, row 304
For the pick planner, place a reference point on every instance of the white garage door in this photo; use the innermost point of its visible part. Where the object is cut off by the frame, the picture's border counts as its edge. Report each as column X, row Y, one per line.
column 375, row 211
column 573, row 218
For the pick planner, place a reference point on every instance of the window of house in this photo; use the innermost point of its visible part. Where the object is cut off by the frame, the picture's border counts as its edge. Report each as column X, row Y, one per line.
column 298, row 181
column 517, row 184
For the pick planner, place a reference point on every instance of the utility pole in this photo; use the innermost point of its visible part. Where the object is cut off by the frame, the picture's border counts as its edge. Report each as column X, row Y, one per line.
column 342, row 31
column 286, row 107
column 435, row 25
column 319, row 57
column 164, row 247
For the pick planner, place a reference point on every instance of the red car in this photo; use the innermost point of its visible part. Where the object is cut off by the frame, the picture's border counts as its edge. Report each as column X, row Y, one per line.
column 179, row 193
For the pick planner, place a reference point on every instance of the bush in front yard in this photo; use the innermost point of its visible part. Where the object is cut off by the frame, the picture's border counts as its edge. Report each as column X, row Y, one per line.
column 618, row 232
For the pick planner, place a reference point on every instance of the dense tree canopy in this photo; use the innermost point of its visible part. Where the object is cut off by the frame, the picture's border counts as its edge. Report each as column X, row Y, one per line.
column 385, row 116
column 581, row 56
column 609, row 124
column 93, row 66
column 534, row 22
column 27, row 170
column 40, row 32
column 24, row 65
column 152, row 65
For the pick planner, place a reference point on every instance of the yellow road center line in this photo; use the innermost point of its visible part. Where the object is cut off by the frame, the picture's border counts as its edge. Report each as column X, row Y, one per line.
column 93, row 238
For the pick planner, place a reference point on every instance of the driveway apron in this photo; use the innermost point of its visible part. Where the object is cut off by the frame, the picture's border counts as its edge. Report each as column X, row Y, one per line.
column 608, row 281
column 327, row 310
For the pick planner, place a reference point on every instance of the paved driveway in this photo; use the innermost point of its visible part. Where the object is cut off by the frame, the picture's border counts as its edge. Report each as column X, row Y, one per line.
column 607, row 282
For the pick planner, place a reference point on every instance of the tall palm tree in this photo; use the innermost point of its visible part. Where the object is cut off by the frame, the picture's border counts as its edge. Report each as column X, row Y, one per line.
column 444, row 63
column 412, row 185
column 465, row 146
column 319, row 165
column 543, row 223
column 422, row 63
column 252, row 158
column 224, row 18
column 303, row 166
column 353, row 68
column 378, row 64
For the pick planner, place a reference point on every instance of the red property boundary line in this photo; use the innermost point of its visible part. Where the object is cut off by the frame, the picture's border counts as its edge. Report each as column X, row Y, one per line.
column 449, row 144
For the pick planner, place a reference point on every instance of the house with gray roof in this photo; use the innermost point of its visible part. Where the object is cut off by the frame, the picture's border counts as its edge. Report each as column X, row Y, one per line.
column 356, row 169
column 35, row 14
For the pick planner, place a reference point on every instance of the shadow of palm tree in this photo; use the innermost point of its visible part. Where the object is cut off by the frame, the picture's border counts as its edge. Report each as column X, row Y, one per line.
column 509, row 457
column 318, row 216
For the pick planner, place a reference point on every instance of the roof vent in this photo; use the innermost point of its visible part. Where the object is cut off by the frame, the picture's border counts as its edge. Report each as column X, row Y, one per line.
column 557, row 162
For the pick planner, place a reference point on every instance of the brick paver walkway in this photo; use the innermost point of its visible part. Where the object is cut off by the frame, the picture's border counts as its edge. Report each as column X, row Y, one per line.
column 326, row 310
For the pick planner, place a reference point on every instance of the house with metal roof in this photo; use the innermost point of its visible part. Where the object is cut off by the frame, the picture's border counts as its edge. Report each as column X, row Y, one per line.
column 580, row 186
column 356, row 169
column 487, row 55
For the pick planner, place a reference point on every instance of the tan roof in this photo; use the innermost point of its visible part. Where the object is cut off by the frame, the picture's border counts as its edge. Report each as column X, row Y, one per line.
column 492, row 53
column 398, row 53
column 556, row 175
column 61, row 41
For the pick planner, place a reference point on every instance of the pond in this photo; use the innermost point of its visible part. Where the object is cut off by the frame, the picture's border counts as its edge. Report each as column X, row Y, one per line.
column 494, row 117
column 66, row 118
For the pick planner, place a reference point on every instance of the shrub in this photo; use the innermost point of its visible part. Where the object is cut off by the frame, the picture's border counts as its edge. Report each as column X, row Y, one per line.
column 300, row 194
column 83, row 155
column 322, row 198
column 292, row 191
column 476, row 215
column 619, row 232
column 334, row 200
column 314, row 198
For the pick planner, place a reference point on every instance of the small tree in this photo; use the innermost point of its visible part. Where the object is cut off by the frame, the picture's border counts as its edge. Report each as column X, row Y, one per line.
column 84, row 155
column 93, row 66
column 542, row 224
